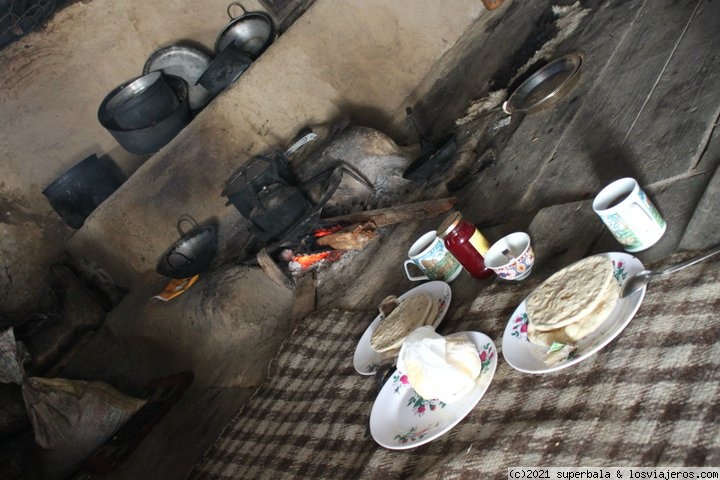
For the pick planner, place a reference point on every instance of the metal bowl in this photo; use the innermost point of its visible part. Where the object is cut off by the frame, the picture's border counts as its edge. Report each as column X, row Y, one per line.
column 142, row 101
column 152, row 138
column 251, row 32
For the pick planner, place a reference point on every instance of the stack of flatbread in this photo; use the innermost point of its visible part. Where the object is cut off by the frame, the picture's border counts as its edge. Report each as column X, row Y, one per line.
column 572, row 303
column 411, row 313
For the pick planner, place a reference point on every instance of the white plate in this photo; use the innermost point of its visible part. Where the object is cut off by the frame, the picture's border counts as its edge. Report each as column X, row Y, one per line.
column 366, row 360
column 401, row 419
column 530, row 358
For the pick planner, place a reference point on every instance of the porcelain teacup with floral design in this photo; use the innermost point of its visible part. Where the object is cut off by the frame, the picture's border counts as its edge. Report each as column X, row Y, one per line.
column 512, row 257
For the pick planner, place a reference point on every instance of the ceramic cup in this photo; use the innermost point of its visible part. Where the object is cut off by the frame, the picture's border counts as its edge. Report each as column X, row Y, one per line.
column 629, row 215
column 435, row 262
column 518, row 259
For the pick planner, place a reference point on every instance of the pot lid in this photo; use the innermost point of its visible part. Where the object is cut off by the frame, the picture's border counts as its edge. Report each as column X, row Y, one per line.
column 251, row 32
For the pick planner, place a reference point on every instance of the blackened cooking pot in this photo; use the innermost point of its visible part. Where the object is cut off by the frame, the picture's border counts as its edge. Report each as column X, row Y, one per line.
column 192, row 253
column 77, row 193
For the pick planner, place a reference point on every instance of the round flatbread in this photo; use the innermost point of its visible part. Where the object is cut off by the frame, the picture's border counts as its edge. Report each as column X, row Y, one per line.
column 410, row 314
column 573, row 333
column 571, row 294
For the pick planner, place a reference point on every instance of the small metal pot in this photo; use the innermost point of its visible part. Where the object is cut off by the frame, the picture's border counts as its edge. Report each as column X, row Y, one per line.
column 152, row 138
column 142, row 101
column 192, row 253
column 252, row 32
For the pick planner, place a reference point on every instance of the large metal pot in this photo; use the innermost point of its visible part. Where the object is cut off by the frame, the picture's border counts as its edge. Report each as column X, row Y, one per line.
column 192, row 253
column 152, row 138
column 142, row 101
column 251, row 32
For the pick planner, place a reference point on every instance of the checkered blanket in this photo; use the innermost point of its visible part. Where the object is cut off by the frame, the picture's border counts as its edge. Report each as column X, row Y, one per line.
column 649, row 398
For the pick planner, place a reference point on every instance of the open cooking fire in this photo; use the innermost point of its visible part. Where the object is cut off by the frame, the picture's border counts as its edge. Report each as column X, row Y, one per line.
column 299, row 263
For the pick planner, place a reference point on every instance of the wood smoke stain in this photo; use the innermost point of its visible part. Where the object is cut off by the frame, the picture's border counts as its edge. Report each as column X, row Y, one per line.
column 12, row 212
column 21, row 68
column 543, row 31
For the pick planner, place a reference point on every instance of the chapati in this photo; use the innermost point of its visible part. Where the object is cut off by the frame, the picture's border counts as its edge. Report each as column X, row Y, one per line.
column 410, row 314
column 571, row 294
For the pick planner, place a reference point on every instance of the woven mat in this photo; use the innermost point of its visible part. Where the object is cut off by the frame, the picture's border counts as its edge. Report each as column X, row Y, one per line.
column 649, row 398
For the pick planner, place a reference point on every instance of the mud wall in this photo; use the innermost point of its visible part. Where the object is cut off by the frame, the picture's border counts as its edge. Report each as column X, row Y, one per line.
column 51, row 83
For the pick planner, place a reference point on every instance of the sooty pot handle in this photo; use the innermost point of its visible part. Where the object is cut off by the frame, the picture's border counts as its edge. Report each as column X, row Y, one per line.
column 235, row 4
column 185, row 218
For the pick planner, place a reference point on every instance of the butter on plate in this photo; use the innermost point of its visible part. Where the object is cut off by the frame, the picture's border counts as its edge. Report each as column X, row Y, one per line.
column 439, row 368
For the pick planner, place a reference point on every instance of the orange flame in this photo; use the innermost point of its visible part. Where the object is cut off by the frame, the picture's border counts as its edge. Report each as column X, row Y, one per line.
column 321, row 232
column 308, row 260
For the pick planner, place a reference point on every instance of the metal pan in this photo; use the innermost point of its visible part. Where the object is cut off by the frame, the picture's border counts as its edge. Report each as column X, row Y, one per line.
column 187, row 63
column 547, row 86
column 434, row 157
column 227, row 67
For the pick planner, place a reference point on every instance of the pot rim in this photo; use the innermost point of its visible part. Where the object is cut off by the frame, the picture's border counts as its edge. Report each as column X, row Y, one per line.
column 106, row 119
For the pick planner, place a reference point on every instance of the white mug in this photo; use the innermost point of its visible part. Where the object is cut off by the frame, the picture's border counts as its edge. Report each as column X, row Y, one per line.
column 629, row 215
column 429, row 254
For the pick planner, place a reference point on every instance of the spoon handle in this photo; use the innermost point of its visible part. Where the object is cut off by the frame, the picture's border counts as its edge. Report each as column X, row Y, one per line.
column 690, row 262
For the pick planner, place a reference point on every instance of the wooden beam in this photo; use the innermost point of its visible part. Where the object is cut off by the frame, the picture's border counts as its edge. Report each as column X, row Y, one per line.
column 304, row 296
column 400, row 213
column 273, row 271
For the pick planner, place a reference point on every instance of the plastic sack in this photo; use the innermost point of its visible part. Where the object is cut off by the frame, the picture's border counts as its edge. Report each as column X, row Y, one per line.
column 70, row 418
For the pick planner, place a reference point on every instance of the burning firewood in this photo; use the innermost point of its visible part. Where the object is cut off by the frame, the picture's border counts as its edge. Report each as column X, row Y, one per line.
column 354, row 237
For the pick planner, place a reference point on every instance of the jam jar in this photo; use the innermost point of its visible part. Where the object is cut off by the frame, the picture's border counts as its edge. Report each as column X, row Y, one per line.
column 466, row 244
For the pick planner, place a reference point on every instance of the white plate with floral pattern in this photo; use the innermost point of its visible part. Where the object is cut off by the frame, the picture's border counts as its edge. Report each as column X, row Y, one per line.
column 402, row 419
column 366, row 360
column 530, row 358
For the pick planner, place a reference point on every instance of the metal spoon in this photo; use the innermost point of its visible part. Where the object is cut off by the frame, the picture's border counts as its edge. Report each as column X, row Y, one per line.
column 641, row 279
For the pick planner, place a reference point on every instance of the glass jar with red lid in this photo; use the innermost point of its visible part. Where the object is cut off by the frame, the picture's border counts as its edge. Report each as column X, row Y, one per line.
column 466, row 243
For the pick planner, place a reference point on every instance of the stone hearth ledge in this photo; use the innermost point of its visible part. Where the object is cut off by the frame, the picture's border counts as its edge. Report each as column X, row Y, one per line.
column 367, row 59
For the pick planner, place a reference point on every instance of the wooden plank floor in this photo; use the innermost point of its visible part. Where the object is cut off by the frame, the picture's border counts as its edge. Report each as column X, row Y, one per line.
column 646, row 106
